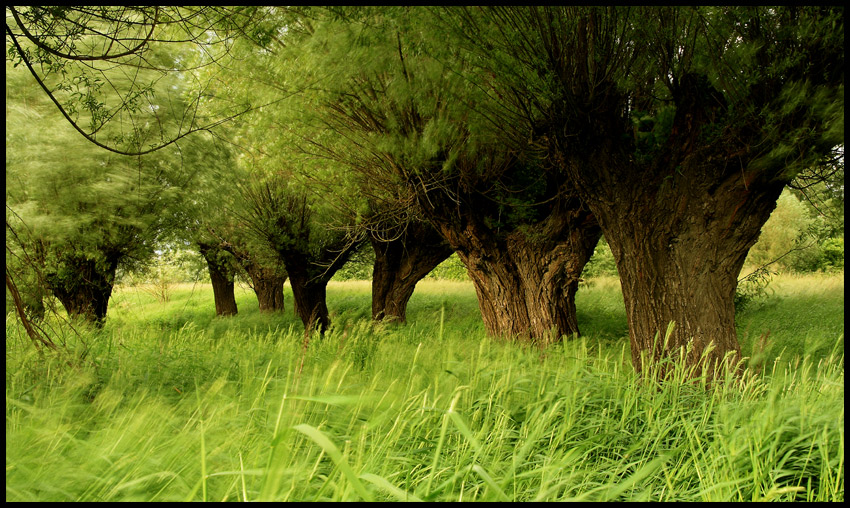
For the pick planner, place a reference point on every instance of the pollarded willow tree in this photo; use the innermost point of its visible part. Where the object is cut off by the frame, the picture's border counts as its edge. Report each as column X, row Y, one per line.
column 271, row 68
column 294, row 222
column 406, row 115
column 208, row 222
column 76, row 213
column 114, row 75
column 678, row 127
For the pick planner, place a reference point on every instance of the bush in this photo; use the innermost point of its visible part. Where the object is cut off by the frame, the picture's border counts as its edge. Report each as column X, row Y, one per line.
column 826, row 256
column 354, row 270
column 794, row 239
column 833, row 254
column 170, row 265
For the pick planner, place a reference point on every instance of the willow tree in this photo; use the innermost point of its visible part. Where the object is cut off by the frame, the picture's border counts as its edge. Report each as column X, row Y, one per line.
column 75, row 213
column 678, row 127
column 396, row 107
column 295, row 224
column 270, row 68
column 208, row 221
column 266, row 275
column 112, row 76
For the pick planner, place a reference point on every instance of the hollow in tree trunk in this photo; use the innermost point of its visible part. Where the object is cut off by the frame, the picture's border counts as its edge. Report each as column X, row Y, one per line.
column 401, row 263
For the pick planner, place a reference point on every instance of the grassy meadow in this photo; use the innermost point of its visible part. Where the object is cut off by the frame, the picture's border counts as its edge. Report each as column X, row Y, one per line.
column 169, row 403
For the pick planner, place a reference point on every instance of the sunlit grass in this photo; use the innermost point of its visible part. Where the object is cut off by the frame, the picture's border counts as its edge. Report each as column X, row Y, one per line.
column 216, row 409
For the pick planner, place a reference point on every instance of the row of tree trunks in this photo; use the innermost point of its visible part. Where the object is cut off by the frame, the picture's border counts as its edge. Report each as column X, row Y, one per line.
column 267, row 278
column 400, row 263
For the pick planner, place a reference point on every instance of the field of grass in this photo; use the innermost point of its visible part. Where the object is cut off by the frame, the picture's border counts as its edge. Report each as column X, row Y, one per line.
column 170, row 403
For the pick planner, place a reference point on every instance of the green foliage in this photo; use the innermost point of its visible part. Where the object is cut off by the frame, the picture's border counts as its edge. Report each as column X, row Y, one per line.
column 783, row 232
column 450, row 269
column 359, row 267
column 110, row 70
column 832, row 254
column 753, row 287
column 651, row 131
column 795, row 239
column 205, row 409
column 171, row 265
column 602, row 262
column 73, row 207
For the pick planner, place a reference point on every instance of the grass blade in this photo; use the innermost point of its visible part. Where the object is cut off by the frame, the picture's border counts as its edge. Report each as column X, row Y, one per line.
column 386, row 486
column 333, row 452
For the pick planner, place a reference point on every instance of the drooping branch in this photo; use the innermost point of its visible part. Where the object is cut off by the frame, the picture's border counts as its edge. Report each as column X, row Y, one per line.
column 121, row 32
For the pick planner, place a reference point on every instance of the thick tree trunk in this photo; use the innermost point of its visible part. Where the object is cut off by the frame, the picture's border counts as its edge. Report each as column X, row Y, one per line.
column 222, row 272
column 310, row 296
column 267, row 277
column 269, row 290
column 526, row 280
column 267, row 284
column 679, row 222
column 309, row 274
column 526, row 289
column 679, row 262
column 85, row 290
column 401, row 263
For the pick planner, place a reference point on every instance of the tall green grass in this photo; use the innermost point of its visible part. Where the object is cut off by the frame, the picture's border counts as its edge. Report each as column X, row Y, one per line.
column 171, row 404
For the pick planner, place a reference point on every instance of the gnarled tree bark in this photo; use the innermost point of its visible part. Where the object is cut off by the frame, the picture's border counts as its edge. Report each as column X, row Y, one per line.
column 400, row 263
column 679, row 258
column 526, row 279
column 679, row 223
